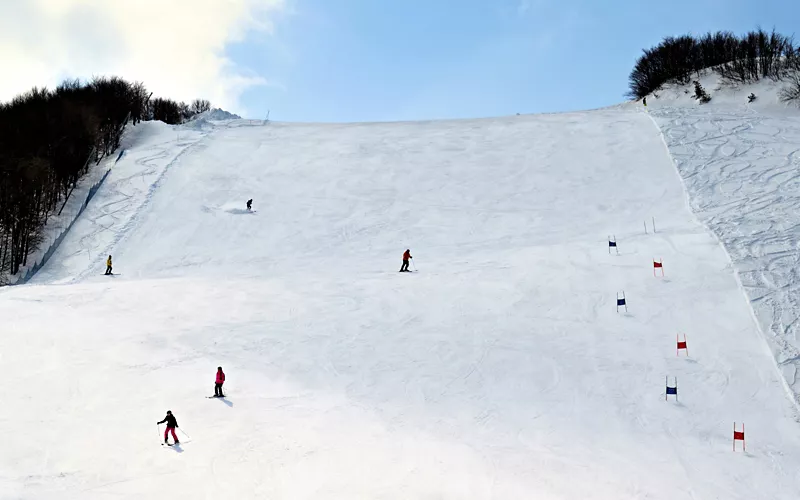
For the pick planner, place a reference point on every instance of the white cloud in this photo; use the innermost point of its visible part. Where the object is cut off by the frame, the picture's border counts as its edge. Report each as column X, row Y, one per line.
column 176, row 47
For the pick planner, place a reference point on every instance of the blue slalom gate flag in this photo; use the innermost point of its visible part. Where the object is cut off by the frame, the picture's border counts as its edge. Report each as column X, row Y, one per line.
column 612, row 243
column 621, row 301
column 671, row 391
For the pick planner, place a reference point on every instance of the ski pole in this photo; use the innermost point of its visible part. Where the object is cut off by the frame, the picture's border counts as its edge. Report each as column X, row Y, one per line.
column 159, row 432
column 187, row 436
column 412, row 263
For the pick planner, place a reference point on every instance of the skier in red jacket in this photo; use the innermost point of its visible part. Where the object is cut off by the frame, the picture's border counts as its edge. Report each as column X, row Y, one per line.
column 218, row 383
column 406, row 256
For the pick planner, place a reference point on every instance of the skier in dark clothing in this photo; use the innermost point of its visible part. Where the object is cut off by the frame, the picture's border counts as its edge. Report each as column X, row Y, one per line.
column 250, row 204
column 172, row 424
column 218, row 383
column 406, row 257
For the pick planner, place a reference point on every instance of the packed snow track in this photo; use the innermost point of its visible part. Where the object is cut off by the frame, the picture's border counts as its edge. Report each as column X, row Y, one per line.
column 501, row 369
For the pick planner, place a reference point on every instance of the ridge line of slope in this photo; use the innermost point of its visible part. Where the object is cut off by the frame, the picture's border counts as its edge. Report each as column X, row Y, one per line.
column 257, row 122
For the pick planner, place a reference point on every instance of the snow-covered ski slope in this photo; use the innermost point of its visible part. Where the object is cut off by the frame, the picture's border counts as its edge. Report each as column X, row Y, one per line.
column 501, row 369
column 741, row 164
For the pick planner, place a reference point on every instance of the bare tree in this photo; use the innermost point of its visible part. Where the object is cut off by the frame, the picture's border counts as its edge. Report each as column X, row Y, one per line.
column 791, row 93
column 46, row 137
column 744, row 59
column 200, row 106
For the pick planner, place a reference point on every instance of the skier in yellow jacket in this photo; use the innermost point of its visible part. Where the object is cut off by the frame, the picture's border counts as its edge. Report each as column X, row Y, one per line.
column 108, row 265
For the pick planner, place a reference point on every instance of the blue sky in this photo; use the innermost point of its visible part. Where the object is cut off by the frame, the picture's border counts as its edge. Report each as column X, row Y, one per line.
column 366, row 60
column 362, row 60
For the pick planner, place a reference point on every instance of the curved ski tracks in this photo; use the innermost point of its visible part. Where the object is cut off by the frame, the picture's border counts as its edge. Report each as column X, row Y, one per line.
column 742, row 174
column 148, row 166
column 122, row 203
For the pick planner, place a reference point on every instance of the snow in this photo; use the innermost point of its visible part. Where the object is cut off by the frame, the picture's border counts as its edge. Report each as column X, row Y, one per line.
column 725, row 96
column 116, row 206
column 218, row 115
column 740, row 164
column 501, row 369
column 207, row 119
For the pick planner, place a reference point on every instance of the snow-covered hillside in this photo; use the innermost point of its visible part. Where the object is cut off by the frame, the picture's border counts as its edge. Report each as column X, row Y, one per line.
column 741, row 165
column 501, row 369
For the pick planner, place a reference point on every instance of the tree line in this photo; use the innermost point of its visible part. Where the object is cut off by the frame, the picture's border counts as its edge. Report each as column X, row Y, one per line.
column 737, row 59
column 49, row 138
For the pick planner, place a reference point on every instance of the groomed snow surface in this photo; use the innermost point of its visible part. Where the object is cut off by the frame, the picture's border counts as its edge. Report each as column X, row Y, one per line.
column 501, row 369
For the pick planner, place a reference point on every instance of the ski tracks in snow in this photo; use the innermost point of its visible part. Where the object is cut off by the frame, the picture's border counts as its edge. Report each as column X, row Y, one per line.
column 742, row 174
column 150, row 166
column 118, row 206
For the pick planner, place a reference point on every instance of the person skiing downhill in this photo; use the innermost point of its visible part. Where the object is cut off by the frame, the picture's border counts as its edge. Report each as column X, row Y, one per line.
column 172, row 424
column 108, row 265
column 250, row 204
column 218, row 383
column 406, row 257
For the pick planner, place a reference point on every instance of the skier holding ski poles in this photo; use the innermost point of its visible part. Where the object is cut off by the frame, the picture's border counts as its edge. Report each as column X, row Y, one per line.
column 406, row 257
column 172, row 424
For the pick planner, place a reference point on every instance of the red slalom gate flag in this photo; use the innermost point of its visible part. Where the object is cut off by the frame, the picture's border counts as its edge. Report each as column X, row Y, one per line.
column 738, row 436
column 681, row 345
